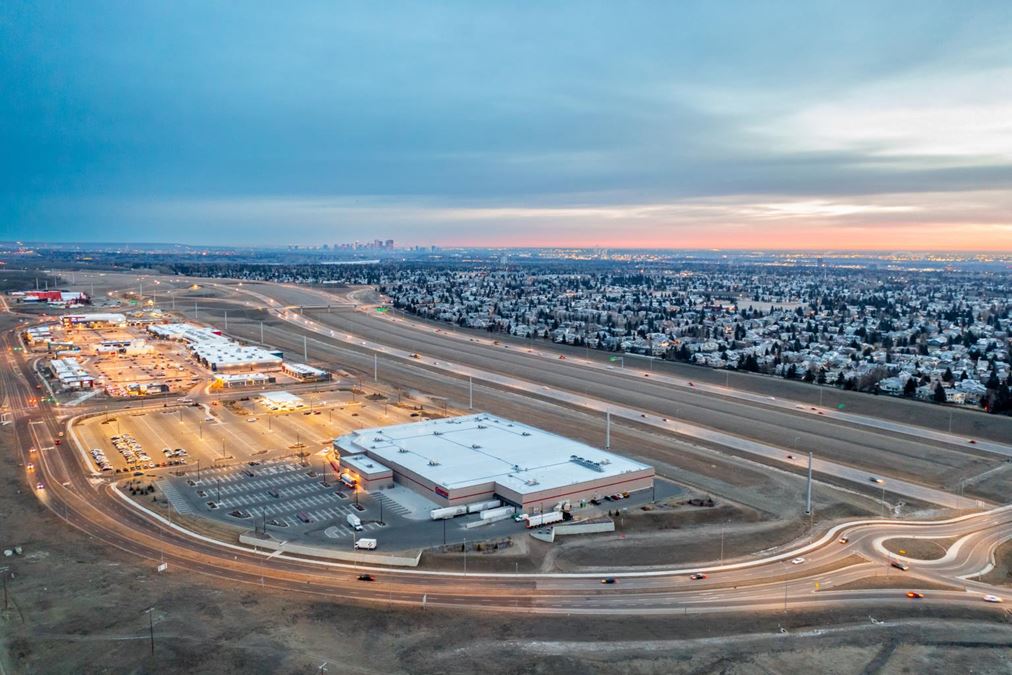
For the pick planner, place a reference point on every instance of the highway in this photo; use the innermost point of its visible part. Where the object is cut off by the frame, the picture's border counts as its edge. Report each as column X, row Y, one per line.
column 914, row 471
column 763, row 584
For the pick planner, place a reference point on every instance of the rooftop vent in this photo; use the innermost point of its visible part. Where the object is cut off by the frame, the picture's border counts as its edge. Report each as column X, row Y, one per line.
column 589, row 463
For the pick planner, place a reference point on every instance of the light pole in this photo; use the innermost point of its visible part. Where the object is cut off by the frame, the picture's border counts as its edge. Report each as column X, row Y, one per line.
column 808, row 498
column 607, row 430
column 722, row 543
column 151, row 627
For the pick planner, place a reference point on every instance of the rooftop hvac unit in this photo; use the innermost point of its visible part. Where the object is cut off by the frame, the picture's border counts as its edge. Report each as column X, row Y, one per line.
column 526, row 433
column 437, row 433
column 482, row 426
column 402, row 450
column 433, row 462
column 475, row 446
column 589, row 463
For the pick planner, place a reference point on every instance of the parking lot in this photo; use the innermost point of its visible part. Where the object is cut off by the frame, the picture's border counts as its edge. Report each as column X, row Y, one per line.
column 288, row 497
column 133, row 370
column 231, row 431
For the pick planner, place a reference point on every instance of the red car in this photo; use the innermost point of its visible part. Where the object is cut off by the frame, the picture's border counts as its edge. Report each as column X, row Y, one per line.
column 914, row 595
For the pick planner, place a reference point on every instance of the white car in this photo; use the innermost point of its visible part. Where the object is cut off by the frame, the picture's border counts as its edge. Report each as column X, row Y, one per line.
column 797, row 561
column 992, row 598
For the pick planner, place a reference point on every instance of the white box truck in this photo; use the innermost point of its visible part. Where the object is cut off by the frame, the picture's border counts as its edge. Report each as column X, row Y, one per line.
column 366, row 544
column 355, row 522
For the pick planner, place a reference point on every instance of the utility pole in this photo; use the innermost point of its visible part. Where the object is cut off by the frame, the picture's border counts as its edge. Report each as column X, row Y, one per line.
column 226, row 319
column 808, row 500
column 305, row 348
column 261, row 332
column 194, row 310
column 607, row 430
column 470, row 393
column 375, row 367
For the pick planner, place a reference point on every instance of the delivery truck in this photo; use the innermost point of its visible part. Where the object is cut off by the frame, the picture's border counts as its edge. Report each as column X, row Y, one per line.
column 355, row 522
column 365, row 544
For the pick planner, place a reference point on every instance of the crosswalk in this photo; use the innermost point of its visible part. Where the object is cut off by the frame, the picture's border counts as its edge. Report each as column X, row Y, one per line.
column 175, row 497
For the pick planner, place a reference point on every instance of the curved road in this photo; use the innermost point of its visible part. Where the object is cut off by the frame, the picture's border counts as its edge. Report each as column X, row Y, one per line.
column 769, row 584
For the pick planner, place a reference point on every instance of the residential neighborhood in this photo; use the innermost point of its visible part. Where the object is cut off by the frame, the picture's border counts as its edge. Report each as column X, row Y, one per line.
column 940, row 337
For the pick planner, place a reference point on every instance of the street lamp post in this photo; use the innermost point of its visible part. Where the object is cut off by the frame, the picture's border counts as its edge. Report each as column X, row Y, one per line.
column 722, row 543
column 151, row 628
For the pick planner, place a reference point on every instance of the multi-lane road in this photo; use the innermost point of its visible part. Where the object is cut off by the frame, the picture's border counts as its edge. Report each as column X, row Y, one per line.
column 774, row 583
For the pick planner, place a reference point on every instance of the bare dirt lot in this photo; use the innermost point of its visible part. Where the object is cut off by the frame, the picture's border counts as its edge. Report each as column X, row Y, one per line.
column 1002, row 572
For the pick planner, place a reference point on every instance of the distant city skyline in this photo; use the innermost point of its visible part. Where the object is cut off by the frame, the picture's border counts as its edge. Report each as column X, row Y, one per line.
column 751, row 125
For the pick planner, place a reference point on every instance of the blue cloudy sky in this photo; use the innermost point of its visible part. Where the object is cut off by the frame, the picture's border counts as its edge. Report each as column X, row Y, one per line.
column 710, row 124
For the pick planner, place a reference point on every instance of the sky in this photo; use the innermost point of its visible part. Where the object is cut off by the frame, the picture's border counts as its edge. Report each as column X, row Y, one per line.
column 755, row 124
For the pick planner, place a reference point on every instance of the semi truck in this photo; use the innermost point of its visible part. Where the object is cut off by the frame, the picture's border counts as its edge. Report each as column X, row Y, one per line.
column 355, row 522
column 544, row 519
column 367, row 544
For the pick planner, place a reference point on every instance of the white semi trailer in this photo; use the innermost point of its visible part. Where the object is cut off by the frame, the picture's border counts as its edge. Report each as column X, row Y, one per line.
column 544, row 519
column 448, row 512
column 482, row 506
column 494, row 514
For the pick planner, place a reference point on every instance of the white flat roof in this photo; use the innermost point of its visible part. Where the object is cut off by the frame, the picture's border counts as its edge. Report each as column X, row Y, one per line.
column 303, row 369
column 363, row 464
column 96, row 317
column 476, row 449
column 218, row 350
column 281, row 398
